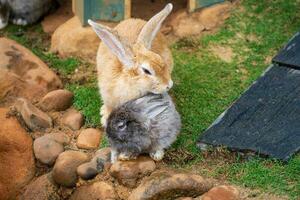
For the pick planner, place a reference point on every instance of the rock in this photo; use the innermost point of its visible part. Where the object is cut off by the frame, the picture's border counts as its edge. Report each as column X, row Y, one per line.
column 28, row 67
column 73, row 119
column 71, row 39
column 222, row 192
column 42, row 188
column 51, row 22
column 12, row 87
column 46, row 150
column 89, row 139
column 170, row 185
column 48, row 147
column 128, row 172
column 186, row 24
column 103, row 154
column 59, row 137
column 89, row 170
column 213, row 16
column 95, row 191
column 17, row 165
column 100, row 161
column 64, row 170
column 57, row 100
column 33, row 117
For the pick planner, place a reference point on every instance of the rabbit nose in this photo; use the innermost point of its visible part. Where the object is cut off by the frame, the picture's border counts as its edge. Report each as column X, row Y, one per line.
column 170, row 85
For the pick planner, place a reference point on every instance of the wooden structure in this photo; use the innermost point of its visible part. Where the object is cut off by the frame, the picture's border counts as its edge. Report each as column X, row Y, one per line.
column 195, row 4
column 117, row 10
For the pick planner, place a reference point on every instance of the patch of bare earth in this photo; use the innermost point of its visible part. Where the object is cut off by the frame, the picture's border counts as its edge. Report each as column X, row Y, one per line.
column 224, row 53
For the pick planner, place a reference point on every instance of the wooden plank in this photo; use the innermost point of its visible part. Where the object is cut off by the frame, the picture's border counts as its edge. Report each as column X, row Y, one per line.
column 191, row 5
column 265, row 119
column 127, row 9
column 78, row 6
column 73, row 6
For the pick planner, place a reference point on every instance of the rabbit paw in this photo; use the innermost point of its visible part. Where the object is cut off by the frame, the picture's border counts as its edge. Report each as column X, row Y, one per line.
column 125, row 156
column 157, row 155
column 113, row 156
column 20, row 21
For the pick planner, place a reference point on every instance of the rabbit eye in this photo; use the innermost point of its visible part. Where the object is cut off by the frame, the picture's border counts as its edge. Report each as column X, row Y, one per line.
column 146, row 71
column 121, row 126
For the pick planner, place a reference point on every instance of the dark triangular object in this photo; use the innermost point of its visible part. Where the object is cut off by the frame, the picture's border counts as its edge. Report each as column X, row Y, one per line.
column 290, row 54
column 265, row 119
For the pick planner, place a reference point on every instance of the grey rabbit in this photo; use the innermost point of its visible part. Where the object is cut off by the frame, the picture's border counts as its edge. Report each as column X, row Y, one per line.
column 148, row 124
column 24, row 12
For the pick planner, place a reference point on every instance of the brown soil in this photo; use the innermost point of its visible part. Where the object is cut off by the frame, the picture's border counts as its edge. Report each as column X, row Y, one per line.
column 224, row 53
column 153, row 6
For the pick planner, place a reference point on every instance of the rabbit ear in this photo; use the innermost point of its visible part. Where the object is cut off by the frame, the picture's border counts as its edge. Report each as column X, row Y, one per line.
column 152, row 27
column 154, row 111
column 113, row 43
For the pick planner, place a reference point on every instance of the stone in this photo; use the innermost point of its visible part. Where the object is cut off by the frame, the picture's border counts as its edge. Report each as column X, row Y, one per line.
column 103, row 154
column 43, row 188
column 33, row 117
column 89, row 170
column 73, row 119
column 95, row 191
column 89, row 139
column 222, row 192
column 213, row 16
column 57, row 100
column 186, row 24
column 48, row 147
column 170, row 185
column 64, row 170
column 28, row 67
column 99, row 162
column 71, row 39
column 52, row 21
column 129, row 172
column 12, row 87
column 46, row 150
column 17, row 166
column 59, row 137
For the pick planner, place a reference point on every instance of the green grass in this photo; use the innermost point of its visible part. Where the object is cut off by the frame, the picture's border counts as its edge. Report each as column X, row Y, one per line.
column 268, row 176
column 205, row 86
column 87, row 100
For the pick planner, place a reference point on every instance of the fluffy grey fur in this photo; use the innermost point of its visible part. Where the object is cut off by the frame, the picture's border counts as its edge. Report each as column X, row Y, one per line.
column 148, row 124
column 23, row 12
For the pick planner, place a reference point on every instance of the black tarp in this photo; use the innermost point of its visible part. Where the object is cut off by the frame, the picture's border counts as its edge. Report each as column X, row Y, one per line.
column 265, row 119
column 290, row 54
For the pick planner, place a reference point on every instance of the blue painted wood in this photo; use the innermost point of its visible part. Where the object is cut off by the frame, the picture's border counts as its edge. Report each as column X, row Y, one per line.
column 205, row 3
column 106, row 10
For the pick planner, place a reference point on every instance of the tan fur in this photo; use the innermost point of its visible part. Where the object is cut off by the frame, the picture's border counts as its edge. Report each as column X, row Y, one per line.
column 119, row 84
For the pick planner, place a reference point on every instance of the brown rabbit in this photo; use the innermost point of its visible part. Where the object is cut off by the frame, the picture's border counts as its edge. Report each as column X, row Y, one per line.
column 133, row 59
